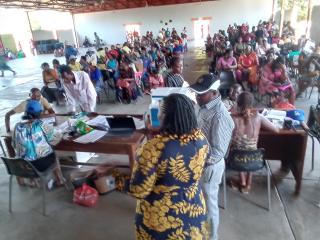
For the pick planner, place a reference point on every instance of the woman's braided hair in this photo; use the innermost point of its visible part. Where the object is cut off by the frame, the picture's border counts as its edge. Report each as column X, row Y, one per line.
column 179, row 115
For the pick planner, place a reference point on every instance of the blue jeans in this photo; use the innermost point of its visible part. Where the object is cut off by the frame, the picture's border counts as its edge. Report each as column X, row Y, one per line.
column 210, row 181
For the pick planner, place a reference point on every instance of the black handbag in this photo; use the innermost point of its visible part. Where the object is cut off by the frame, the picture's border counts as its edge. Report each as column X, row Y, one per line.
column 246, row 160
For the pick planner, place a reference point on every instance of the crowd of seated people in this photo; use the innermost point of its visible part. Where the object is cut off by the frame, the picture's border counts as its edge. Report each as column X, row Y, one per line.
column 260, row 61
column 136, row 68
column 131, row 69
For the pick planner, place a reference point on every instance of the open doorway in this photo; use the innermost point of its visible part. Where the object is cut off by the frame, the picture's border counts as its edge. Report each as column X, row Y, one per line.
column 201, row 28
column 132, row 32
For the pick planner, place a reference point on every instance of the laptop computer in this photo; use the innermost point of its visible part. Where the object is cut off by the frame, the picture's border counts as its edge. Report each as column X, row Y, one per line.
column 121, row 126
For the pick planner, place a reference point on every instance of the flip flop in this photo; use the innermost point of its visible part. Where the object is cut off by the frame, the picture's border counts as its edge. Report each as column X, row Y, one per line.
column 233, row 184
column 245, row 189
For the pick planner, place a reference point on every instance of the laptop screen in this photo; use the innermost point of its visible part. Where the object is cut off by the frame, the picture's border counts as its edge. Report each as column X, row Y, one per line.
column 121, row 122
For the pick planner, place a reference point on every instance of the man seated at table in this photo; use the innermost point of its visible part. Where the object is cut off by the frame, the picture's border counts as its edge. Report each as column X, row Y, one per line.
column 35, row 94
column 235, row 91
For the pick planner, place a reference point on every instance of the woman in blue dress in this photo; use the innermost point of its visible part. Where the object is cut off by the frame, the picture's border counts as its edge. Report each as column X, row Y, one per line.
column 166, row 176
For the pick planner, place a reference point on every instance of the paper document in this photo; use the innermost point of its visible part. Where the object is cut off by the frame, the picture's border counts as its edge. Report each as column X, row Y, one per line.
column 91, row 137
column 99, row 121
column 277, row 117
column 274, row 114
column 140, row 124
column 49, row 120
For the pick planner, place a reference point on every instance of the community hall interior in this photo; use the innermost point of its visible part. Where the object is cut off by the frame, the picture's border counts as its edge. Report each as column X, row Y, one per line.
column 149, row 119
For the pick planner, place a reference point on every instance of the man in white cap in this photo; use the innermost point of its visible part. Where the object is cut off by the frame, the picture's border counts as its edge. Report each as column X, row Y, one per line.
column 217, row 125
column 75, row 66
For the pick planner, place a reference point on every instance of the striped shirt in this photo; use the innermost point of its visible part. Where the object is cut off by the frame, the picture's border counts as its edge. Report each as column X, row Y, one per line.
column 217, row 125
column 173, row 80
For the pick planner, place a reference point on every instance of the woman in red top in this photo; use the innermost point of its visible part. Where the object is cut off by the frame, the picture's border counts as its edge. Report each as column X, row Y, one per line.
column 155, row 78
column 248, row 65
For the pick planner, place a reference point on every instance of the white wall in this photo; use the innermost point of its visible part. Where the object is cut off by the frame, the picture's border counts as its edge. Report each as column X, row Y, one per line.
column 315, row 27
column 15, row 22
column 39, row 35
column 110, row 24
column 65, row 36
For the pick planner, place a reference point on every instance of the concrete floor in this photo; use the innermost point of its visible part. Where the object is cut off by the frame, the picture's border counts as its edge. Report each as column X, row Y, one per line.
column 245, row 218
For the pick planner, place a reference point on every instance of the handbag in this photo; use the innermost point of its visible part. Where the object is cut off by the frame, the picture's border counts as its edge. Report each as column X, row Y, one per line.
column 245, row 160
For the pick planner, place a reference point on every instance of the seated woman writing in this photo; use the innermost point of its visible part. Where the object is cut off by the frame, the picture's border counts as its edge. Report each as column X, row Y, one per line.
column 32, row 140
column 248, row 123
column 127, row 89
column 153, row 79
column 266, row 83
column 239, row 47
column 281, row 82
column 248, row 67
column 227, row 62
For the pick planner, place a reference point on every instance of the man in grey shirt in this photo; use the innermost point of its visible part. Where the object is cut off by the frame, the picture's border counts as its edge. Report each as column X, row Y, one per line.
column 217, row 125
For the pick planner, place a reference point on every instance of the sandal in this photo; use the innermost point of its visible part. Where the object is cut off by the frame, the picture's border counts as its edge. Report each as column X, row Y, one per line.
column 245, row 189
column 233, row 184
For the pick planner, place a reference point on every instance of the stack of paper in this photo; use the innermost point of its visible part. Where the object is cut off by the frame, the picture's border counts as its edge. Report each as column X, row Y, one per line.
column 91, row 137
column 277, row 117
column 99, row 121
column 63, row 127
column 275, row 114
column 49, row 120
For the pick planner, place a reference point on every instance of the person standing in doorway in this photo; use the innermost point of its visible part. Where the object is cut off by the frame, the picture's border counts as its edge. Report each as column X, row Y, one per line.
column 201, row 31
column 79, row 89
column 217, row 125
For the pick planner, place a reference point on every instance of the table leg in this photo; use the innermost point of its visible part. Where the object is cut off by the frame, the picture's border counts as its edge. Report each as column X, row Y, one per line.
column 132, row 156
column 297, row 171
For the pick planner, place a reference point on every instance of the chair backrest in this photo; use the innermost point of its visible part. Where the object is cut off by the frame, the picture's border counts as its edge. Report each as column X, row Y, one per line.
column 227, row 79
column 314, row 121
column 8, row 144
column 20, row 167
column 246, row 160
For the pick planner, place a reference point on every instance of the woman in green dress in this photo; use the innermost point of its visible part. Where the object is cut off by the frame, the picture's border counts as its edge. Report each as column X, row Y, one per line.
column 166, row 176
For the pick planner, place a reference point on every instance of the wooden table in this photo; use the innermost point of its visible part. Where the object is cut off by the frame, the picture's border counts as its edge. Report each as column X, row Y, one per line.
column 109, row 145
column 289, row 147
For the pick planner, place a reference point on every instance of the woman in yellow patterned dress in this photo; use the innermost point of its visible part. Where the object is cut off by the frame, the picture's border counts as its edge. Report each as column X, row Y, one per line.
column 165, row 179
